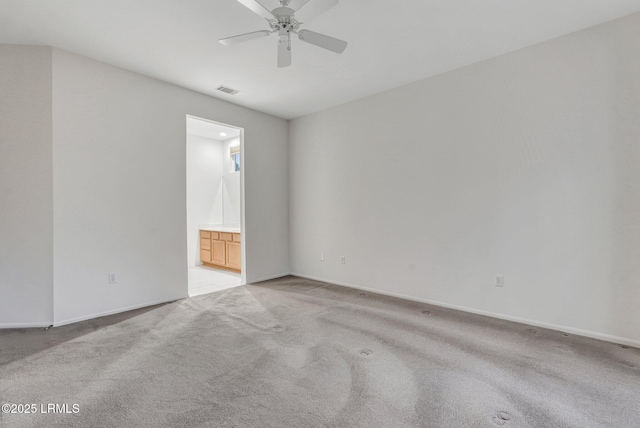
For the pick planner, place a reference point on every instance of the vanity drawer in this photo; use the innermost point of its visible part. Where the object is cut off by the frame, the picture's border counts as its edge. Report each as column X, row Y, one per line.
column 236, row 237
column 214, row 235
column 205, row 234
column 224, row 236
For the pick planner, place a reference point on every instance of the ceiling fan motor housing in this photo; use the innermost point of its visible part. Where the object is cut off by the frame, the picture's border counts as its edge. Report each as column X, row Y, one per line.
column 284, row 19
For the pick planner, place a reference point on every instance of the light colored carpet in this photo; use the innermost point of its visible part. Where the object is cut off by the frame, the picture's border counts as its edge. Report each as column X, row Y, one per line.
column 299, row 353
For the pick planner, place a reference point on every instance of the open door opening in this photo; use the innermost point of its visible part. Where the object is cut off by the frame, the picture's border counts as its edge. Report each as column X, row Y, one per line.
column 215, row 206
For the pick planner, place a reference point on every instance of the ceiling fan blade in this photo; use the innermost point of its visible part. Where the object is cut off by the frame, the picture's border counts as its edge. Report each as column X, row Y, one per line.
column 330, row 43
column 284, row 53
column 261, row 7
column 244, row 37
column 308, row 9
column 297, row 4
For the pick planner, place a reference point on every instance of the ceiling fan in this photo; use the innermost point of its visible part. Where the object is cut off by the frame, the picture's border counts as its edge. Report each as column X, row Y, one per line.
column 280, row 16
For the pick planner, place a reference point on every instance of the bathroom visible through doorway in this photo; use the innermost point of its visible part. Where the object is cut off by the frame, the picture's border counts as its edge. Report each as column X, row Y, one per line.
column 215, row 239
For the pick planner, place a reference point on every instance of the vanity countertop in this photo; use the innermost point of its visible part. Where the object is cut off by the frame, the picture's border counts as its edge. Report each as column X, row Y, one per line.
column 220, row 228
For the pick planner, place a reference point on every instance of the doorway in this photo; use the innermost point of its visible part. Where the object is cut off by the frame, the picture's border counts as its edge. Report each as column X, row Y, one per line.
column 215, row 206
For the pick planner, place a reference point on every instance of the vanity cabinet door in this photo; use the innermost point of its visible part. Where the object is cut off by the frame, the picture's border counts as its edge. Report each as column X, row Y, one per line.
column 218, row 252
column 233, row 255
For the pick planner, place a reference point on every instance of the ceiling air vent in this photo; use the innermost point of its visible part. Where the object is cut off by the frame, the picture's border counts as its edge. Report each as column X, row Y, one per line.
column 227, row 90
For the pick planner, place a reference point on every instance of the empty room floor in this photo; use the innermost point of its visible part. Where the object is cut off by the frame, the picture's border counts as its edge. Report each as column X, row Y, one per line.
column 294, row 352
column 203, row 280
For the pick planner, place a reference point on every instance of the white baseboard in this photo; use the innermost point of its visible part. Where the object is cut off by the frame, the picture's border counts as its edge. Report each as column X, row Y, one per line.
column 253, row 281
column 113, row 312
column 25, row 325
column 575, row 331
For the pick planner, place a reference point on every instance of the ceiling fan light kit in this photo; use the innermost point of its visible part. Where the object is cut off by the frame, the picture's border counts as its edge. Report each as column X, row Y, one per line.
column 282, row 21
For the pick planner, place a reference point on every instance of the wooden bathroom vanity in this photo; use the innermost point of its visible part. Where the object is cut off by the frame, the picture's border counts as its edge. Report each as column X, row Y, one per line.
column 220, row 248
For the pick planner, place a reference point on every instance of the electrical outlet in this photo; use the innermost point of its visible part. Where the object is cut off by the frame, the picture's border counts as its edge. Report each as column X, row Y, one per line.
column 500, row 281
column 343, row 260
column 112, row 278
column 322, row 257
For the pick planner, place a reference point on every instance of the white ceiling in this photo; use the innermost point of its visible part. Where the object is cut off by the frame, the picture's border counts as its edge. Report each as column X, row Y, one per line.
column 391, row 43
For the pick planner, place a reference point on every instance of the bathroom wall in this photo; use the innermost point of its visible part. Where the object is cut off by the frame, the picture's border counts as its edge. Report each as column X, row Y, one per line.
column 231, row 185
column 204, row 189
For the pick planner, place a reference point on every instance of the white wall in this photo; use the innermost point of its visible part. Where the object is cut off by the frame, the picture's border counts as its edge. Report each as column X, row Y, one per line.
column 231, row 182
column 525, row 165
column 26, row 195
column 119, row 174
column 204, row 189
